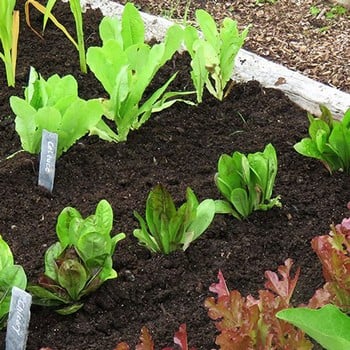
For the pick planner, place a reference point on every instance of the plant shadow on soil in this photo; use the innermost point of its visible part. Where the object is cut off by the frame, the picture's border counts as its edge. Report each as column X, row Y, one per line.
column 178, row 147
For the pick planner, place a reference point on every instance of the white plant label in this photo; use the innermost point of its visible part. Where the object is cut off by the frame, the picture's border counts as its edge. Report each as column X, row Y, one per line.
column 18, row 320
column 48, row 159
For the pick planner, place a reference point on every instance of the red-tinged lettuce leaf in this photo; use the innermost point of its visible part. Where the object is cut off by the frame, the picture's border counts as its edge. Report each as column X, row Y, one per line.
column 283, row 287
column 220, row 288
column 122, row 346
column 249, row 323
column 180, row 338
column 333, row 251
column 146, row 341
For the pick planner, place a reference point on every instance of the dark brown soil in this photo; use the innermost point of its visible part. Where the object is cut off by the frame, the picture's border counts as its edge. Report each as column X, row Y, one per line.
column 179, row 147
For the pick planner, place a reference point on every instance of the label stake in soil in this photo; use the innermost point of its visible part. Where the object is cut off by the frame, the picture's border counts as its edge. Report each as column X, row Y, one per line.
column 18, row 320
column 48, row 159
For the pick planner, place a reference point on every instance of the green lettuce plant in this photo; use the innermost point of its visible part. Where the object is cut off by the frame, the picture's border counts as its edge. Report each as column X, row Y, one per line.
column 247, row 182
column 9, row 30
column 80, row 261
column 213, row 54
column 327, row 325
column 125, row 65
column 165, row 228
column 328, row 141
column 54, row 105
column 11, row 275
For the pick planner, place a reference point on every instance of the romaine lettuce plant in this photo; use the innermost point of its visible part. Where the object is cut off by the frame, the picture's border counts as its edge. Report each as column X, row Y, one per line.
column 9, row 30
column 249, row 323
column 166, row 228
column 125, row 65
column 329, row 141
column 54, row 105
column 328, row 325
column 80, row 261
column 247, row 182
column 11, row 275
column 213, row 54
column 333, row 251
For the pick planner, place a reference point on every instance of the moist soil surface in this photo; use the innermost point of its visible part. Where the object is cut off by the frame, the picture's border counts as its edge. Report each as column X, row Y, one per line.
column 178, row 147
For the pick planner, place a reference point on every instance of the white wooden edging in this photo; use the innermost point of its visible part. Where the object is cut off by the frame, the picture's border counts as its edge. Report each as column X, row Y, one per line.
column 305, row 92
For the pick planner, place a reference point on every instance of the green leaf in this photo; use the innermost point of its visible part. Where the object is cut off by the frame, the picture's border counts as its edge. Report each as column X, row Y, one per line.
column 199, row 72
column 172, row 41
column 308, row 148
column 104, row 217
column 44, row 297
column 13, row 276
column 6, row 257
column 51, row 255
column 73, row 277
column 25, row 124
column 204, row 216
column 93, row 248
column 208, row 27
column 106, row 62
column 77, row 120
column 110, row 29
column 240, row 201
column 71, row 309
column 328, row 325
column 133, row 30
column 339, row 141
column 64, row 227
column 144, row 237
column 231, row 43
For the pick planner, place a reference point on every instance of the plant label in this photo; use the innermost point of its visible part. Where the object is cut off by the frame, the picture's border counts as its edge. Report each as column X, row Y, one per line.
column 48, row 159
column 18, row 320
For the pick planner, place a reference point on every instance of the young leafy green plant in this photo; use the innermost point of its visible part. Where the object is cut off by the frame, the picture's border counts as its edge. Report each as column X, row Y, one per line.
column 76, row 10
column 125, row 65
column 328, row 325
column 54, row 105
column 247, row 182
column 11, row 275
column 9, row 30
column 166, row 228
column 213, row 55
column 328, row 141
column 249, row 323
column 80, row 261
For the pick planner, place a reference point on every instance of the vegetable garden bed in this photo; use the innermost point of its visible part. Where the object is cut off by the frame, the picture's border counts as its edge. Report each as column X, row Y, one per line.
column 178, row 147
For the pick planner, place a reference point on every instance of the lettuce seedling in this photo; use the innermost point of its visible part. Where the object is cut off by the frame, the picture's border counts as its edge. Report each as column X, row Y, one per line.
column 11, row 275
column 328, row 325
column 166, row 228
column 80, row 261
column 125, row 65
column 9, row 31
column 333, row 251
column 249, row 323
column 213, row 54
column 247, row 182
column 54, row 105
column 329, row 141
